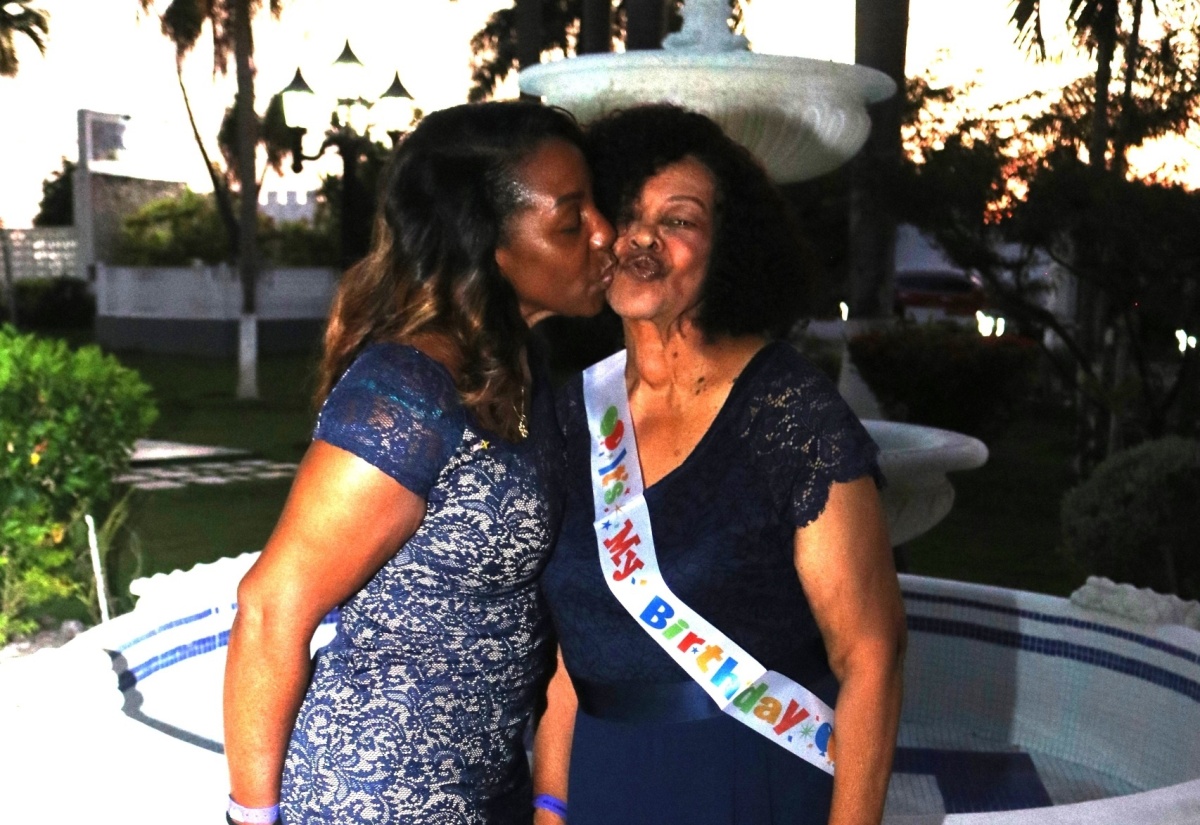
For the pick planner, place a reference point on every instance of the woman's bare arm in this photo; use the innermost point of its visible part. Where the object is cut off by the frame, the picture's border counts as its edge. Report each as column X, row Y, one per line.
column 342, row 521
column 845, row 565
column 552, row 743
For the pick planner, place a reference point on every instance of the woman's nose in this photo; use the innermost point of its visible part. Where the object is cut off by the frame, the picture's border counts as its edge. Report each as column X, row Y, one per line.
column 603, row 233
column 640, row 235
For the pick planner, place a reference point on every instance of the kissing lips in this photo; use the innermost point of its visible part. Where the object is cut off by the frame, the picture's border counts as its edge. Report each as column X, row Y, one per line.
column 644, row 266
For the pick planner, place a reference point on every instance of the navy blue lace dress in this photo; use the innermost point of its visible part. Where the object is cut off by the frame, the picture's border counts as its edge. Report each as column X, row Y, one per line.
column 417, row 710
column 724, row 521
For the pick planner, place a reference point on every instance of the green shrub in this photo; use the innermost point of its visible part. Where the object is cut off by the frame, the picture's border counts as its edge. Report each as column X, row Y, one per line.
column 1136, row 519
column 68, row 421
column 947, row 376
column 295, row 243
column 173, row 231
column 180, row 230
column 53, row 303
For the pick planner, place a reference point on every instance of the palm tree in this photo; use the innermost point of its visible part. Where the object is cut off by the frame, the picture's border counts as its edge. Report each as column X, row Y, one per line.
column 17, row 18
column 1098, row 21
column 880, row 40
column 1098, row 24
column 230, row 21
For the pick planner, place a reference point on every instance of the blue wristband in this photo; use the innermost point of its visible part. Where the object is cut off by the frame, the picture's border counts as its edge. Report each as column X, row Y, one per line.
column 550, row 803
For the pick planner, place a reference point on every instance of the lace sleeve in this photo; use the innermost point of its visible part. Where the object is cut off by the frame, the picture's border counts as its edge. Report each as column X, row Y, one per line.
column 398, row 410
column 806, row 436
column 833, row 445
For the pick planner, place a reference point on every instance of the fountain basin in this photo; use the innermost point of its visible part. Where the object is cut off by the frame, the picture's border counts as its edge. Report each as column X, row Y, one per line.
column 1019, row 709
column 914, row 460
column 799, row 116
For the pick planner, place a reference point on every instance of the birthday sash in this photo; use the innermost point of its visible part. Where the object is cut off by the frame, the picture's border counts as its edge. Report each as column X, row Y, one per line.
column 763, row 700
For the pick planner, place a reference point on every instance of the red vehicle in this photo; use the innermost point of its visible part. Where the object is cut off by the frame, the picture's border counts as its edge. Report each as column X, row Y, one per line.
column 925, row 295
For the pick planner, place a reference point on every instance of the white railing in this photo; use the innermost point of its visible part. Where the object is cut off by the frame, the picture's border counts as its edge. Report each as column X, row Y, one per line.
column 42, row 252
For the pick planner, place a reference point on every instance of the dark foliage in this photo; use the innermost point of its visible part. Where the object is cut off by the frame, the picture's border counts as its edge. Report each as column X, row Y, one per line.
column 1135, row 519
column 942, row 375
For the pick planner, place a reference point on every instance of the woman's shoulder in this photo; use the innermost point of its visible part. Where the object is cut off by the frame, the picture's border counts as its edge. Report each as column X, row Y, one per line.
column 783, row 376
column 397, row 382
column 792, row 400
column 397, row 409
column 389, row 368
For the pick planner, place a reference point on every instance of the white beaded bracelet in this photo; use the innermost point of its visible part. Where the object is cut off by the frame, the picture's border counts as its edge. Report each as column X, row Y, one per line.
column 253, row 816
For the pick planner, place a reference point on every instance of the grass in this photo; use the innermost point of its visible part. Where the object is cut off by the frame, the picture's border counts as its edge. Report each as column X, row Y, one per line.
column 198, row 524
column 1002, row 530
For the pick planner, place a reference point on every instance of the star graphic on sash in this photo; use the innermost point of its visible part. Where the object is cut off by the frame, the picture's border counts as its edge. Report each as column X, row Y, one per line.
column 482, row 445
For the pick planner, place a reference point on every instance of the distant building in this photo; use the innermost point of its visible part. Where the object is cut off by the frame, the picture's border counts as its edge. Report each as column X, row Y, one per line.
column 291, row 207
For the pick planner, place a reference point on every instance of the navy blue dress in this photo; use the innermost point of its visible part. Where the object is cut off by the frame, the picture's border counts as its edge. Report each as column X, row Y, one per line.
column 417, row 710
column 724, row 526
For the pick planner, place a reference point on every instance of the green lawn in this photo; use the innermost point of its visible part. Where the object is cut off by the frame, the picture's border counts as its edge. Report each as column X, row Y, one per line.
column 1003, row 529
column 195, row 396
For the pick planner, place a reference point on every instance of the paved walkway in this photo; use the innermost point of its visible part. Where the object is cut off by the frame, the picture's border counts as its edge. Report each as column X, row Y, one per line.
column 168, row 465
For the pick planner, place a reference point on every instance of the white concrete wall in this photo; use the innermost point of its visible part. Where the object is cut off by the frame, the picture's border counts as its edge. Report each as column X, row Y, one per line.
column 210, row 293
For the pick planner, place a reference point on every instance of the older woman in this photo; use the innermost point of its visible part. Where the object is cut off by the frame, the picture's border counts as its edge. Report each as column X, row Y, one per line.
column 427, row 503
column 723, row 579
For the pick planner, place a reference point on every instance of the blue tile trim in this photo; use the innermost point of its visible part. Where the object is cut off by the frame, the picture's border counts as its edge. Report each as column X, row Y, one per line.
column 130, row 676
column 1116, row 632
column 974, row 782
column 1057, row 647
column 175, row 623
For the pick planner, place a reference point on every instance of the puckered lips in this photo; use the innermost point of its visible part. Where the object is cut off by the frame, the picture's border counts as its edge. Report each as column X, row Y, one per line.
column 642, row 266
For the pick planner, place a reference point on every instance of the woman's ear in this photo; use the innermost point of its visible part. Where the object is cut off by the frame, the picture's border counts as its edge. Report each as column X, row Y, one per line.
column 503, row 262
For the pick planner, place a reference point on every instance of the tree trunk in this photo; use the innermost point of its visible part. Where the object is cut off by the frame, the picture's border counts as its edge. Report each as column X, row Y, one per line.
column 355, row 233
column 529, row 32
column 247, row 143
column 220, row 187
column 1122, row 135
column 595, row 27
column 1105, row 33
column 1091, row 308
column 645, row 24
column 880, row 40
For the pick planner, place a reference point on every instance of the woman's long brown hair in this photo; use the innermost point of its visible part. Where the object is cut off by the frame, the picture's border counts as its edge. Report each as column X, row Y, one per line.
column 431, row 272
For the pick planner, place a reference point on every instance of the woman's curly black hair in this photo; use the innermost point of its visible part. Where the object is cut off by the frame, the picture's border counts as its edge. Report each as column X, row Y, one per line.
column 757, row 270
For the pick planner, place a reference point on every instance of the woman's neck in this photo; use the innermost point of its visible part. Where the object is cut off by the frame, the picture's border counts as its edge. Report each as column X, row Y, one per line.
column 679, row 360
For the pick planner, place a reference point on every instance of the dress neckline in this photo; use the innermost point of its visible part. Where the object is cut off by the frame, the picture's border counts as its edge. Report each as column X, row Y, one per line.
column 739, row 383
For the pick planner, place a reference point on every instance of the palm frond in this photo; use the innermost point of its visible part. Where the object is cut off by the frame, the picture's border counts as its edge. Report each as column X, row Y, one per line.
column 1027, row 17
column 32, row 23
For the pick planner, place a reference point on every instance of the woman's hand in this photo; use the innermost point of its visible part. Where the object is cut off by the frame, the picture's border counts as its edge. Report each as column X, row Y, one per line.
column 342, row 521
column 845, row 565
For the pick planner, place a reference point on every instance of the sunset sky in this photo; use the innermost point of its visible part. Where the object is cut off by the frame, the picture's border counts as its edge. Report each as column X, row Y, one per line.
column 103, row 55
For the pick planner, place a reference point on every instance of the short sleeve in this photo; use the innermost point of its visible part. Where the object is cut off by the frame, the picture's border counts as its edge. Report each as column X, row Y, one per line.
column 398, row 410
column 805, row 436
column 838, row 449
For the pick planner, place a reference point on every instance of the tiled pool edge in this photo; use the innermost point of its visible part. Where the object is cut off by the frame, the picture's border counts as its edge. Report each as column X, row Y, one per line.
column 1171, row 648
column 131, row 751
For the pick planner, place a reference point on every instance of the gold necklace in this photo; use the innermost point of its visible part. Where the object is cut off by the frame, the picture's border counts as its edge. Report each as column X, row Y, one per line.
column 522, row 426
